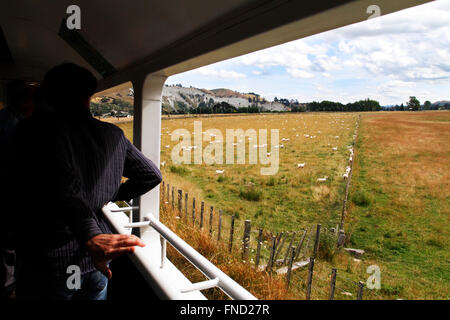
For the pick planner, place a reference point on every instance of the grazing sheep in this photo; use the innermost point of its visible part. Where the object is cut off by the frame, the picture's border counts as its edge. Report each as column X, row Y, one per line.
column 220, row 171
column 324, row 179
column 335, row 148
column 301, row 165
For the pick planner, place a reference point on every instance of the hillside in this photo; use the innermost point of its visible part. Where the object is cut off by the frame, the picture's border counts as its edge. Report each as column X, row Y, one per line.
column 177, row 98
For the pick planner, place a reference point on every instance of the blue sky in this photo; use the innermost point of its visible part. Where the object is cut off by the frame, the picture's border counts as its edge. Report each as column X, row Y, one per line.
column 387, row 59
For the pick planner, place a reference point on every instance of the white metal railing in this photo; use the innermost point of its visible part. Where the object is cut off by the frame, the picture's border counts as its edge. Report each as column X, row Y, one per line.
column 182, row 288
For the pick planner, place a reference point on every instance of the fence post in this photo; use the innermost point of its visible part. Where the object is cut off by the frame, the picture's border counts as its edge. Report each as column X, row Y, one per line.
column 202, row 209
column 186, row 196
column 341, row 238
column 168, row 193
column 310, row 278
column 360, row 290
column 246, row 240
column 258, row 248
column 316, row 241
column 332, row 283
column 300, row 245
column 220, row 225
column 231, row 233
column 193, row 211
column 162, row 191
column 180, row 197
column 280, row 245
column 272, row 252
column 288, row 250
column 173, row 197
column 211, row 219
column 289, row 270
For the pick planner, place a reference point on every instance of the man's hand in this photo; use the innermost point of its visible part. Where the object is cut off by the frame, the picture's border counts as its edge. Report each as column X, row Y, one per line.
column 105, row 247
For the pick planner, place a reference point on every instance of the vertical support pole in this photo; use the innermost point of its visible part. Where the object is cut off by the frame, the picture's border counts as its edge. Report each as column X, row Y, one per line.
column 332, row 283
column 220, row 225
column 168, row 193
column 211, row 212
column 231, row 233
column 202, row 209
column 316, row 241
column 162, row 190
column 246, row 240
column 360, row 290
column 310, row 278
column 258, row 248
column 147, row 138
column 289, row 270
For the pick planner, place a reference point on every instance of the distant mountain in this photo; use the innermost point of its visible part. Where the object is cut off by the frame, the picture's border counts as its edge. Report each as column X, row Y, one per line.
column 442, row 103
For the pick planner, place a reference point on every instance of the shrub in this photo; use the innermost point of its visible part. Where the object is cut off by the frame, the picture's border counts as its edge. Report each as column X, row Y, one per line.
column 361, row 198
column 327, row 246
column 251, row 194
column 181, row 171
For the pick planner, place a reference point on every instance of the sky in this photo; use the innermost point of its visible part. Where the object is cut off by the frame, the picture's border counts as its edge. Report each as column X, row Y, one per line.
column 387, row 59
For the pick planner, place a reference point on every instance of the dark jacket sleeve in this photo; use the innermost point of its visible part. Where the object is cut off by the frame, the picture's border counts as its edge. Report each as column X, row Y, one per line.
column 143, row 175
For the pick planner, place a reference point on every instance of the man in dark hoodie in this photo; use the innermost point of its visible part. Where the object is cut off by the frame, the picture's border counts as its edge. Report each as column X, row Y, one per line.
column 68, row 166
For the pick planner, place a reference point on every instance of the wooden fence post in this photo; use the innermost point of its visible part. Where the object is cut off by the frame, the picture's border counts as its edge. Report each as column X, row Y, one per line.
column 202, row 209
column 231, row 233
column 173, row 197
column 246, row 240
column 163, row 189
column 332, row 283
column 168, row 193
column 186, row 196
column 272, row 252
column 220, row 225
column 258, row 248
column 316, row 241
column 288, row 250
column 289, row 270
column 360, row 290
column 310, row 278
column 280, row 245
column 193, row 211
column 341, row 238
column 211, row 219
column 300, row 245
column 180, row 197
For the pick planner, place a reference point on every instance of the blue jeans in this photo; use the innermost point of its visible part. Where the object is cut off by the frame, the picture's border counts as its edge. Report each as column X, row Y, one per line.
column 93, row 287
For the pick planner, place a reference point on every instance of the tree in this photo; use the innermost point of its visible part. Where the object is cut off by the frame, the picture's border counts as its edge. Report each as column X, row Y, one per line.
column 427, row 105
column 413, row 103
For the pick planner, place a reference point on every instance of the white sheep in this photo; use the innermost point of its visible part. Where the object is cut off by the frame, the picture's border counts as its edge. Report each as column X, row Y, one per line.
column 301, row 165
column 220, row 171
column 322, row 179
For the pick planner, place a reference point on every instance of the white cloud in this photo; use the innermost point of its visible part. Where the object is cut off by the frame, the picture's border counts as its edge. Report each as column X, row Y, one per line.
column 221, row 73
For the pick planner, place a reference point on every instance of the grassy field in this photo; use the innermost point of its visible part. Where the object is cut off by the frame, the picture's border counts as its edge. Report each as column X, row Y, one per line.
column 399, row 196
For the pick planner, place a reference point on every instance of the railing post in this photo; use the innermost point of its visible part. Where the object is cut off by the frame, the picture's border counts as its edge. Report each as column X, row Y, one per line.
column 280, row 245
column 193, row 211
column 300, row 245
column 288, row 250
column 272, row 252
column 173, row 197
